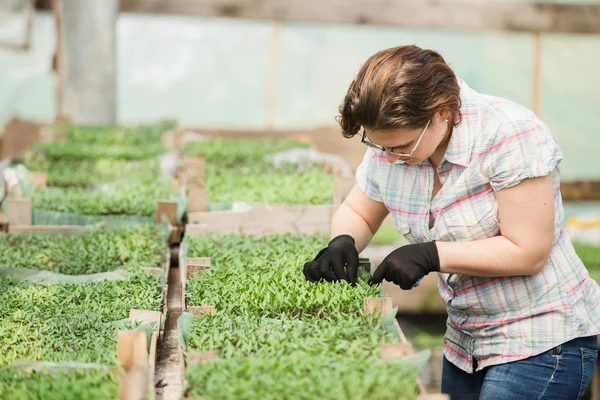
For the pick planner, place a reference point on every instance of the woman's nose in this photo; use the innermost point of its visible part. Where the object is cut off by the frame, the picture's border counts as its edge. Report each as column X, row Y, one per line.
column 391, row 158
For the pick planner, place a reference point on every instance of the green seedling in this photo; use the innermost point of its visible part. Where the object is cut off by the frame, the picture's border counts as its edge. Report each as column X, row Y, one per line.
column 70, row 322
column 97, row 250
column 78, row 384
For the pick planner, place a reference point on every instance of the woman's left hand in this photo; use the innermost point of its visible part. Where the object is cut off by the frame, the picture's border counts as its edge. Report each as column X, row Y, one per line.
column 406, row 265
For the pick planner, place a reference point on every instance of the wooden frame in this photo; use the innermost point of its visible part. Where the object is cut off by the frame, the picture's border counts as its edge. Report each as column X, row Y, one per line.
column 388, row 351
column 20, row 219
column 193, row 175
column 137, row 379
column 264, row 220
column 455, row 14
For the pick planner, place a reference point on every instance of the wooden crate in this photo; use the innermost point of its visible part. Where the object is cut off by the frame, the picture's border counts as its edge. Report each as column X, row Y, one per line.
column 194, row 267
column 193, row 176
column 20, row 219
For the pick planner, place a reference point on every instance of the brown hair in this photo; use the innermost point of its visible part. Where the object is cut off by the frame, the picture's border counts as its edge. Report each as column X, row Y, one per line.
column 401, row 87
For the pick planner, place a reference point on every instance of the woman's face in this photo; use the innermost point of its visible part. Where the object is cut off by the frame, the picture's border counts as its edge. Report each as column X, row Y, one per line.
column 403, row 141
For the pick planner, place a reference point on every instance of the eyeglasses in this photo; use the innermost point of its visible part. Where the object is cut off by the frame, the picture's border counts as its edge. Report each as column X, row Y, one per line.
column 391, row 150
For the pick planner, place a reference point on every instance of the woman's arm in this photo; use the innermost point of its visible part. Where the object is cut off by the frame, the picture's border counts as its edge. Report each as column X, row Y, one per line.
column 526, row 214
column 360, row 217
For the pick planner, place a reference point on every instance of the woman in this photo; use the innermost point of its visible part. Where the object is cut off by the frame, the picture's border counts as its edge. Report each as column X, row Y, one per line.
column 472, row 182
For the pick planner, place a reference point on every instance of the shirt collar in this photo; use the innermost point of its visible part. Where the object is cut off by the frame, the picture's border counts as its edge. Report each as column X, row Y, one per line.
column 461, row 141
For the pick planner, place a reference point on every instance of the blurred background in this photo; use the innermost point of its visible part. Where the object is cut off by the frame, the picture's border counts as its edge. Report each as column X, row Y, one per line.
column 254, row 65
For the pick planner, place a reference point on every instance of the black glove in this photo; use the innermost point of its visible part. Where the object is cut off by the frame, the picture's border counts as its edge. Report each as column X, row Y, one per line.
column 329, row 263
column 406, row 265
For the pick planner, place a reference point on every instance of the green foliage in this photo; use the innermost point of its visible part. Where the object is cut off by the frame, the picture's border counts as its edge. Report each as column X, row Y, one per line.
column 289, row 184
column 70, row 322
column 112, row 135
column 386, row 235
column 590, row 255
column 228, row 153
column 262, row 276
column 425, row 339
column 93, row 151
column 595, row 274
column 129, row 200
column 98, row 250
column 299, row 376
column 78, row 384
column 92, row 172
column 334, row 335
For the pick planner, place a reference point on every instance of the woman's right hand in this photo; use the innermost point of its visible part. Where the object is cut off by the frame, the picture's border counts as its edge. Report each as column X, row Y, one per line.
column 337, row 261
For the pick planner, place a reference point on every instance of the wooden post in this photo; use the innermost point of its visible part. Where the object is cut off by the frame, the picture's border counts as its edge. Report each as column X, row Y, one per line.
column 85, row 61
column 166, row 209
column 194, row 170
column 147, row 315
column 195, row 178
column 39, row 180
column 20, row 212
column 194, row 357
column 133, row 357
column 389, row 351
column 196, row 266
column 380, row 304
column 199, row 310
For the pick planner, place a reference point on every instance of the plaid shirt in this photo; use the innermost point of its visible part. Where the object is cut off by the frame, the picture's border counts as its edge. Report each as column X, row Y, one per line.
column 492, row 320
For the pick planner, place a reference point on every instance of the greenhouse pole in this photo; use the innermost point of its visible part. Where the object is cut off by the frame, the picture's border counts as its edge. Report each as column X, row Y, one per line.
column 85, row 60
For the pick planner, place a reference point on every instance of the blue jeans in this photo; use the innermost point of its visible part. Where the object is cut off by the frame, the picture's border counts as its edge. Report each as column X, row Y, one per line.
column 563, row 372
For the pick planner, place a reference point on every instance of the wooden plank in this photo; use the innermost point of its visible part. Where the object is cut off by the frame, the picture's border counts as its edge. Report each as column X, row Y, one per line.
column 379, row 304
column 433, row 14
column 168, row 209
column 133, row 357
column 390, row 351
column 153, row 271
column 263, row 221
column 194, row 170
column 3, row 222
column 147, row 315
column 197, row 199
column 198, row 311
column 580, row 190
column 167, row 274
column 194, row 357
column 39, row 179
column 19, row 135
column 131, row 348
column 20, row 212
column 152, row 360
column 196, row 266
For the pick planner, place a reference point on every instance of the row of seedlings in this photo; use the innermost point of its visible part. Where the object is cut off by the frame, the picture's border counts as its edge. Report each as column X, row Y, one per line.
column 221, row 172
column 256, row 329
column 93, row 174
column 81, row 312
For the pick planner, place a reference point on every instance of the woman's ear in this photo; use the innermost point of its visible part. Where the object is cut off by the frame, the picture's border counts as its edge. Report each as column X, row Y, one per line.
column 442, row 116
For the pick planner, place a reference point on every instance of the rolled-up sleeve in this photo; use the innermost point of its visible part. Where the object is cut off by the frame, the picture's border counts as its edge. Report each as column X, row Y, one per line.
column 366, row 176
column 521, row 150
